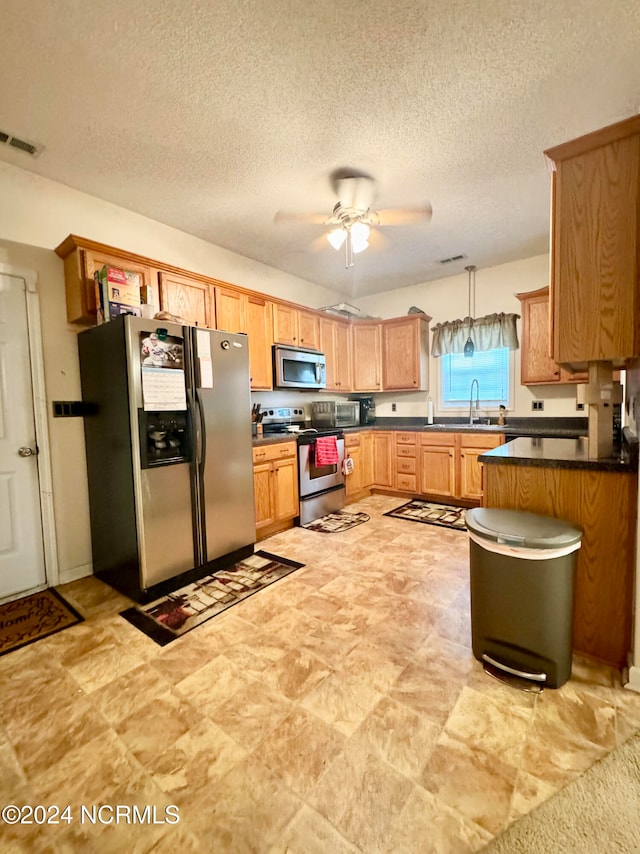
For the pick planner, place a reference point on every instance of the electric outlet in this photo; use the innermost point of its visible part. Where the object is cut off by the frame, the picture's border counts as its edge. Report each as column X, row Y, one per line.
column 537, row 405
column 579, row 407
column 393, row 407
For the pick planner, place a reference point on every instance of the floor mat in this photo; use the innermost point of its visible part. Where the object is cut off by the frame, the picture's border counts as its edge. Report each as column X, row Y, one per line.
column 445, row 515
column 334, row 523
column 34, row 617
column 179, row 612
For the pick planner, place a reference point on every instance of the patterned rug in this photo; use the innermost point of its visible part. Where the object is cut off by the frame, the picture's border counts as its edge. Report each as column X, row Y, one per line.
column 431, row 514
column 334, row 523
column 179, row 612
column 34, row 617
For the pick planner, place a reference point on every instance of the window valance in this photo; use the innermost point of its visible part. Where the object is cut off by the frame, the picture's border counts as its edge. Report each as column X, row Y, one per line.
column 487, row 333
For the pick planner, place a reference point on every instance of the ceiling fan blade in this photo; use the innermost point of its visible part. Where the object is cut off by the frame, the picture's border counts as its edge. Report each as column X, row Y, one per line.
column 377, row 240
column 402, row 216
column 319, row 243
column 291, row 216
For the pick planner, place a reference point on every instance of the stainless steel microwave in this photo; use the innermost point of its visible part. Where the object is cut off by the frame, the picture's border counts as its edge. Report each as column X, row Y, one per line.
column 335, row 413
column 294, row 367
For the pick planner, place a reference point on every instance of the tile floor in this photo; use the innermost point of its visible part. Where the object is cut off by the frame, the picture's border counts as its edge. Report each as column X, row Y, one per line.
column 339, row 710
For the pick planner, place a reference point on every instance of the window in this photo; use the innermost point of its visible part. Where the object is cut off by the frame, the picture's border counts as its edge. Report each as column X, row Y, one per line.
column 492, row 369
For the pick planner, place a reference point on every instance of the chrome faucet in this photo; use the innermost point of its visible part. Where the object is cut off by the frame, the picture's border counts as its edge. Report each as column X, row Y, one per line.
column 471, row 416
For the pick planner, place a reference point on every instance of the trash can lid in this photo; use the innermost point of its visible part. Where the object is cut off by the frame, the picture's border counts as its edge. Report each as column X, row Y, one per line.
column 519, row 528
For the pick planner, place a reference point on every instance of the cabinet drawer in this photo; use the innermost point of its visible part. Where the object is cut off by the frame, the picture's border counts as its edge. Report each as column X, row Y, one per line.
column 407, row 482
column 352, row 440
column 405, row 438
column 442, row 439
column 406, row 465
column 405, row 450
column 264, row 453
column 481, row 440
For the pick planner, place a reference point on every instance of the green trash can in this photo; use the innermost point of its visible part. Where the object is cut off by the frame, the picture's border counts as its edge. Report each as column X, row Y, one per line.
column 522, row 569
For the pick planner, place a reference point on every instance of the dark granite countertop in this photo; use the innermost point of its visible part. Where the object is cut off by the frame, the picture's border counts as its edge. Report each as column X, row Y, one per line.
column 273, row 439
column 566, row 428
column 559, row 453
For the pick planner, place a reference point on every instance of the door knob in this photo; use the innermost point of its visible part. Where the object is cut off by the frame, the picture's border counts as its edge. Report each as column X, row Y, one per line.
column 27, row 452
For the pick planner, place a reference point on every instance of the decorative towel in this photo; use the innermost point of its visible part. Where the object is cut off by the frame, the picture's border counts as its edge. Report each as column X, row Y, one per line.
column 327, row 451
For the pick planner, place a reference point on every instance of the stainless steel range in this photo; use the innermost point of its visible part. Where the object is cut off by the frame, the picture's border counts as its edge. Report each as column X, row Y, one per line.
column 321, row 488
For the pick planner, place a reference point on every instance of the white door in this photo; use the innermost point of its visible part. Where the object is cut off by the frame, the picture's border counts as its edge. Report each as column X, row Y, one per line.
column 22, row 565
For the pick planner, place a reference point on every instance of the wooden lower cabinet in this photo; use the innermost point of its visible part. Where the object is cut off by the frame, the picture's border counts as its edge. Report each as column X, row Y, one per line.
column 604, row 505
column 405, row 461
column 383, row 446
column 275, row 484
column 359, row 446
column 449, row 466
column 471, row 472
column 353, row 481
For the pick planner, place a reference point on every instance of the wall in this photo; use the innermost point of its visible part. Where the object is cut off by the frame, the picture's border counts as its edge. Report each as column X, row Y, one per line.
column 447, row 299
column 35, row 216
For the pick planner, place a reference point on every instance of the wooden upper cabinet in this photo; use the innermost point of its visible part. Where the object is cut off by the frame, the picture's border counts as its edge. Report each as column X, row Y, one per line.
column 285, row 324
column 308, row 330
column 536, row 365
column 82, row 258
column 230, row 310
column 295, row 327
column 237, row 311
column 366, row 356
column 191, row 299
column 260, row 331
column 343, row 356
column 335, row 343
column 595, row 256
column 405, row 353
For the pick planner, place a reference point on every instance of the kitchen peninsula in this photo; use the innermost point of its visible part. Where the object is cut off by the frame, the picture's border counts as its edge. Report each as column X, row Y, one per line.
column 555, row 477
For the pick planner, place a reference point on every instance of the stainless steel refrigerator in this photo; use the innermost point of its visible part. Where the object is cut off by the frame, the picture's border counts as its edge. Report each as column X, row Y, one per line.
column 169, row 454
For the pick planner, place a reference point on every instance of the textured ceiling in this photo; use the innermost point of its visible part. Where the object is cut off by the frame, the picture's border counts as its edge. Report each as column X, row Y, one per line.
column 212, row 116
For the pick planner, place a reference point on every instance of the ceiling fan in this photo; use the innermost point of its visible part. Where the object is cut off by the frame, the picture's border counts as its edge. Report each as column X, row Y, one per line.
column 353, row 222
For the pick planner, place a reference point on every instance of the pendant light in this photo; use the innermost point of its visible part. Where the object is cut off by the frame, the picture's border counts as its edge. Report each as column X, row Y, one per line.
column 469, row 347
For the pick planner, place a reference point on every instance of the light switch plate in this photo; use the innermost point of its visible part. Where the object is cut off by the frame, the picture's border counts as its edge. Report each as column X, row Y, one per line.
column 537, row 405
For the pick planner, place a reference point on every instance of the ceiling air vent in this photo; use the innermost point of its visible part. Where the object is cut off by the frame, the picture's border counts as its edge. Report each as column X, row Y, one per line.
column 21, row 144
column 453, row 258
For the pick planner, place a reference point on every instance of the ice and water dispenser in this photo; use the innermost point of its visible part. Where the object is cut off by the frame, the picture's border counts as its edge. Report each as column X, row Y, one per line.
column 164, row 438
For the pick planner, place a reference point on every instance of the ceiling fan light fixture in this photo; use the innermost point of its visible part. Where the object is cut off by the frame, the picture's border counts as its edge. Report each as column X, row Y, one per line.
column 337, row 237
column 359, row 237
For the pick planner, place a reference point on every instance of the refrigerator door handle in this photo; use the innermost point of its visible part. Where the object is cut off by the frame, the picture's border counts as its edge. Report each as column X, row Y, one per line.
column 194, row 425
column 202, row 444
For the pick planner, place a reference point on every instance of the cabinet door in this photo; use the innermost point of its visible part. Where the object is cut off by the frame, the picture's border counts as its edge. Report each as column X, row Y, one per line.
column 328, row 347
column 230, row 310
column 365, row 349
column 405, row 353
column 187, row 298
column 536, row 364
column 263, row 494
column 594, row 245
column 471, row 480
column 342, row 356
column 259, row 330
column 353, row 481
column 308, row 330
column 285, row 474
column 285, row 324
column 366, row 459
column 438, row 470
column 383, row 459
